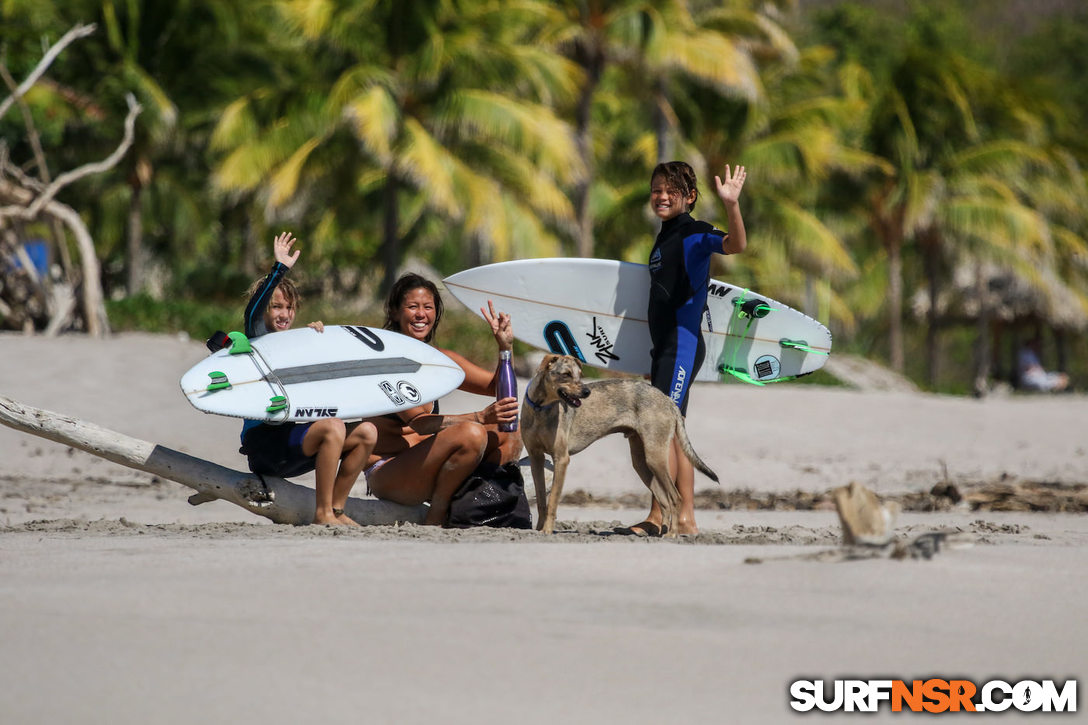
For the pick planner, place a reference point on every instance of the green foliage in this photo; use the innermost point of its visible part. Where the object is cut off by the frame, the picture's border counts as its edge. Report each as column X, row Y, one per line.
column 197, row 319
column 467, row 131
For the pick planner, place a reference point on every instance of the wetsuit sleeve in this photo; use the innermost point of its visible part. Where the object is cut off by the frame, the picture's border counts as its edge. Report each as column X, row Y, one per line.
column 254, row 315
column 713, row 242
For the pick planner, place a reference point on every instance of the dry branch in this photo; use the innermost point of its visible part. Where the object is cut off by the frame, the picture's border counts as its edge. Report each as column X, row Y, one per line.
column 32, row 199
column 94, row 307
column 79, row 31
column 275, row 499
column 31, row 210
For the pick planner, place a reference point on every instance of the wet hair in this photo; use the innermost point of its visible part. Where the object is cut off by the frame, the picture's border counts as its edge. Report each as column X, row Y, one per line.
column 290, row 292
column 400, row 290
column 678, row 176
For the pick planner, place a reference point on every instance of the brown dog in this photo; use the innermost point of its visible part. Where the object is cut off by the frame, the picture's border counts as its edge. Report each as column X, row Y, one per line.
column 561, row 416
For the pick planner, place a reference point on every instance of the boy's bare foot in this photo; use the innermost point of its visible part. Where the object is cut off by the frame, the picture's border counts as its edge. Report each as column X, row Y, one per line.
column 651, row 529
column 687, row 528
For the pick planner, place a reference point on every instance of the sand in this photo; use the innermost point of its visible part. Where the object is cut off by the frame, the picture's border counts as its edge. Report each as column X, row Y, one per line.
column 122, row 603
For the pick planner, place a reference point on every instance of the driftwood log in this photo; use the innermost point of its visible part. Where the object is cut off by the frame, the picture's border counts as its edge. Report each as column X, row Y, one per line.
column 272, row 498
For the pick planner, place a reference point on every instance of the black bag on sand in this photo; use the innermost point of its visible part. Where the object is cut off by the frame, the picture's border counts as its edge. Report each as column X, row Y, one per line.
column 492, row 495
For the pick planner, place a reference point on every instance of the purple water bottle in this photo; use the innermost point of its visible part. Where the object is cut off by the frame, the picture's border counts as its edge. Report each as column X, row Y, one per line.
column 507, row 387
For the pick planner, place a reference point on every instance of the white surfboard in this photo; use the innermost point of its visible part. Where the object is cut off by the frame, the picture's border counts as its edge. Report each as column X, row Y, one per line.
column 347, row 371
column 595, row 310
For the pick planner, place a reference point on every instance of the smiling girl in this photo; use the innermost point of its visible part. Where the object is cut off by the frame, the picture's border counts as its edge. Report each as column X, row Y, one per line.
column 421, row 454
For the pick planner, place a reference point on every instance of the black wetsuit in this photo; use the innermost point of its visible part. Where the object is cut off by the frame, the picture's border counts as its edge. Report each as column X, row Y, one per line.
column 679, row 274
column 272, row 449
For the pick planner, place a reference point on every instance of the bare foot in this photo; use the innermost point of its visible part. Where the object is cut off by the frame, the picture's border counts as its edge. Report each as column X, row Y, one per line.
column 335, row 517
column 345, row 520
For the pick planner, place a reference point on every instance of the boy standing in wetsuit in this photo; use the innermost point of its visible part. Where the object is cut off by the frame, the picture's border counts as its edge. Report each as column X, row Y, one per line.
column 679, row 275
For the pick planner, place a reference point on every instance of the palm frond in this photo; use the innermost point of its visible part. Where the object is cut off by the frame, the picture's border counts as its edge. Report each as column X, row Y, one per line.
column 488, row 117
column 235, row 126
column 284, row 182
column 430, row 166
column 810, row 243
column 376, row 119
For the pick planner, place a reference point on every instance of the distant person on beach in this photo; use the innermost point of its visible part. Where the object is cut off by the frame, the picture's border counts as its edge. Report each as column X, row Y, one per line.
column 679, row 276
column 1032, row 374
column 338, row 452
column 423, row 455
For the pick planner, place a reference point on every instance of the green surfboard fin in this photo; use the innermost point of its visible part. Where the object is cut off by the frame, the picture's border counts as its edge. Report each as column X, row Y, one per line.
column 276, row 404
column 239, row 343
column 800, row 345
column 219, row 381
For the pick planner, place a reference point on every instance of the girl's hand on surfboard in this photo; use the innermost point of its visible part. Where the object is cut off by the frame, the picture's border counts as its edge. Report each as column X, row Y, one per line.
column 317, row 325
column 501, row 327
column 729, row 189
column 281, row 248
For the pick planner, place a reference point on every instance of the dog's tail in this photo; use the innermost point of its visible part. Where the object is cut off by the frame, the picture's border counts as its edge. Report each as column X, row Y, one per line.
column 689, row 451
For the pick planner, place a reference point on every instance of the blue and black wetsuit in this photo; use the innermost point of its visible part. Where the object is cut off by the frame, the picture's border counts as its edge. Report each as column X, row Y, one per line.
column 679, row 274
column 272, row 449
column 258, row 303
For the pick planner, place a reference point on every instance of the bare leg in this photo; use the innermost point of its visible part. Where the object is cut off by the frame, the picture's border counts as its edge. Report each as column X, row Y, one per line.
column 357, row 447
column 432, row 470
column 683, row 473
column 325, row 439
column 502, row 447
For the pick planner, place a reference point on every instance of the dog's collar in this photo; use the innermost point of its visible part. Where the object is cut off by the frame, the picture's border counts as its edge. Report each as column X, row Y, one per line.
column 537, row 406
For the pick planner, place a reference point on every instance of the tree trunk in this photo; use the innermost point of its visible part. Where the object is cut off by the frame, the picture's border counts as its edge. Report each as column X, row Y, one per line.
column 984, row 339
column 1062, row 351
column 662, row 127
column 390, row 237
column 812, row 307
column 275, row 499
column 932, row 267
column 895, row 305
column 134, row 248
column 592, row 60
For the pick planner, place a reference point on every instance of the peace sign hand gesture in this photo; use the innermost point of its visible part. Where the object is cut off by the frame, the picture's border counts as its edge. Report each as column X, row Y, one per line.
column 500, row 326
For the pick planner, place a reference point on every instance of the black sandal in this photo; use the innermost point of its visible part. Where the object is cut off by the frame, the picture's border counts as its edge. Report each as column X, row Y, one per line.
column 646, row 529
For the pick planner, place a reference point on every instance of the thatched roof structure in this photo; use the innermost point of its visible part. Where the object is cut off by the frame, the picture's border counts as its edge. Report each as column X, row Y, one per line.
column 1009, row 296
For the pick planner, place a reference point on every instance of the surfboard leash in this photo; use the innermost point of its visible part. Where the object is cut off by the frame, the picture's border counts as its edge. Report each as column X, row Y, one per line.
column 753, row 309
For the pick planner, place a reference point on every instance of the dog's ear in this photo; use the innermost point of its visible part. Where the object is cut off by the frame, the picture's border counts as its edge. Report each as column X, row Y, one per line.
column 548, row 360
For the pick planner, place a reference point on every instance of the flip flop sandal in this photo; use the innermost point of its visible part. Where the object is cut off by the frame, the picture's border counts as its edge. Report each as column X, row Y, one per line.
column 646, row 529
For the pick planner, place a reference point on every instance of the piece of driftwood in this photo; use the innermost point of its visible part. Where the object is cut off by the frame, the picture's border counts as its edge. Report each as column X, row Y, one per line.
column 273, row 498
column 923, row 546
column 865, row 520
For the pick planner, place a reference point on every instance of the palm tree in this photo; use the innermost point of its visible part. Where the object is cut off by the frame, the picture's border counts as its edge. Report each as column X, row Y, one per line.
column 636, row 49
column 443, row 118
